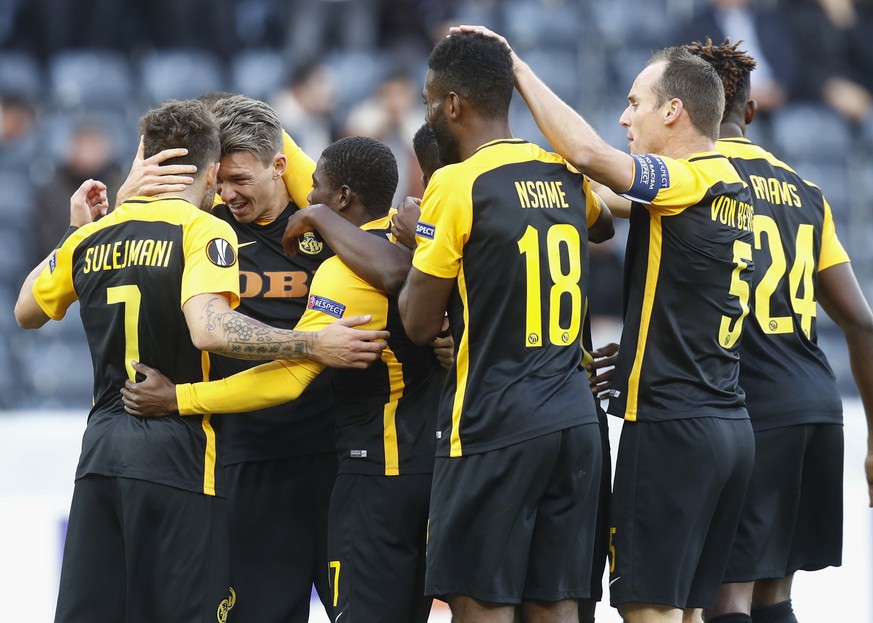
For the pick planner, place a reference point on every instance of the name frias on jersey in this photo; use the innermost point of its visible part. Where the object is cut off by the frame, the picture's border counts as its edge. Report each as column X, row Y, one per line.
column 733, row 213
column 541, row 194
column 775, row 191
column 124, row 253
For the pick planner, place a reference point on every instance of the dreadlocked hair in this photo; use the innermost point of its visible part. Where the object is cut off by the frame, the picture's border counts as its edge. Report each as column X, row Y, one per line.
column 733, row 67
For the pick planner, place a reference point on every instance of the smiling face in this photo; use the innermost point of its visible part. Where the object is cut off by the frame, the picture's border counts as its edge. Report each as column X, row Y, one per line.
column 250, row 189
column 644, row 116
column 435, row 116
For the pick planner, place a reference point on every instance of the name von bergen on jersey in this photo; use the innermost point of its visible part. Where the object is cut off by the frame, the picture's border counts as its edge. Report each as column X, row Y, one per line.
column 326, row 306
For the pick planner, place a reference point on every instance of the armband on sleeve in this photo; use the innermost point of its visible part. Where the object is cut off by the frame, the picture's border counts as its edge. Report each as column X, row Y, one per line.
column 650, row 176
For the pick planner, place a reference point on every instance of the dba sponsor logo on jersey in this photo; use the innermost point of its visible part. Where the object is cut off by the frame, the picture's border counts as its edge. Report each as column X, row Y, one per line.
column 326, row 306
column 425, row 230
column 310, row 244
column 220, row 252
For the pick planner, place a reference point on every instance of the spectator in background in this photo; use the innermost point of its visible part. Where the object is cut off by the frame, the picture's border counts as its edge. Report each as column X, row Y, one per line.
column 836, row 54
column 764, row 34
column 17, row 131
column 392, row 116
column 90, row 153
column 306, row 106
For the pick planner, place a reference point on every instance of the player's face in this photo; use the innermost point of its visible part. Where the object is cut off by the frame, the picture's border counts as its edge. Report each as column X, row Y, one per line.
column 249, row 188
column 643, row 118
column 435, row 117
column 323, row 190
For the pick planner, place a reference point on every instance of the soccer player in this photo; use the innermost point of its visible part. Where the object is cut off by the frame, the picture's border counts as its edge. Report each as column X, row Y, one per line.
column 156, row 280
column 793, row 514
column 687, row 446
column 503, row 246
column 385, row 415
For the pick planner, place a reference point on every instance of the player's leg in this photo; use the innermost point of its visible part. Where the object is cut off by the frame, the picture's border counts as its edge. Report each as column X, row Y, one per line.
column 588, row 606
column 277, row 512
column 565, row 530
column 377, row 537
column 466, row 609
column 673, row 526
column 93, row 574
column 176, row 545
column 323, row 475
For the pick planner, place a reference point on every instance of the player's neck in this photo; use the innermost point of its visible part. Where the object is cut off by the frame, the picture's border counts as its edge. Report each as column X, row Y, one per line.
column 731, row 129
column 482, row 131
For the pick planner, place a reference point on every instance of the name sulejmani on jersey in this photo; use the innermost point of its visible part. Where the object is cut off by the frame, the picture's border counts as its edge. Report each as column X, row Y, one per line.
column 124, row 253
column 733, row 213
column 775, row 191
column 540, row 194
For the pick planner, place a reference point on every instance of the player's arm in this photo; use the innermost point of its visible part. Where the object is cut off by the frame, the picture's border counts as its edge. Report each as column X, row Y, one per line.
column 842, row 298
column 217, row 328
column 86, row 204
column 263, row 386
column 565, row 129
column 602, row 229
column 619, row 206
column 379, row 262
column 423, row 302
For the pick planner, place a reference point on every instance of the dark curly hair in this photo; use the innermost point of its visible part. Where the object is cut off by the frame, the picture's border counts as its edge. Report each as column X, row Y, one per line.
column 367, row 167
column 426, row 150
column 733, row 66
column 182, row 123
column 476, row 67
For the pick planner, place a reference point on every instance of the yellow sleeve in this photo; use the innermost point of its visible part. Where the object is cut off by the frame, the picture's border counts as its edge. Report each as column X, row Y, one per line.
column 298, row 172
column 666, row 186
column 53, row 290
column 832, row 251
column 444, row 225
column 263, row 386
column 210, row 259
column 592, row 203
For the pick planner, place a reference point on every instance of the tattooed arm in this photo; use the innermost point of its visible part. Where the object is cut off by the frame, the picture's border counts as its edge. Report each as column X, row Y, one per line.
column 216, row 328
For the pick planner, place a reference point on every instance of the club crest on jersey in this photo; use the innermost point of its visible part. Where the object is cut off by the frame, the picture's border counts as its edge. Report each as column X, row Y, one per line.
column 310, row 244
column 326, row 306
column 220, row 252
column 226, row 606
column 53, row 262
column 425, row 230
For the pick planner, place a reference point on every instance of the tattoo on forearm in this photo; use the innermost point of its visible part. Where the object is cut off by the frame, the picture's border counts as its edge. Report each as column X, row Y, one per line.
column 248, row 338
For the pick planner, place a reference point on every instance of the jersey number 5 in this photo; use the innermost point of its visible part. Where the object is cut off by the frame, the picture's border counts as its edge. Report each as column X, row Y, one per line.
column 565, row 283
column 731, row 329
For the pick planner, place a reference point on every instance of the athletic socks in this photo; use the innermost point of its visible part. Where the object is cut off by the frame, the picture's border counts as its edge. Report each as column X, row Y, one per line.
column 777, row 613
column 732, row 617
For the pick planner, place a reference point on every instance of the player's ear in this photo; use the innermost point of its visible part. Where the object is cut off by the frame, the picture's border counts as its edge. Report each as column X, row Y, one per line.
column 212, row 175
column 345, row 197
column 280, row 163
column 751, row 110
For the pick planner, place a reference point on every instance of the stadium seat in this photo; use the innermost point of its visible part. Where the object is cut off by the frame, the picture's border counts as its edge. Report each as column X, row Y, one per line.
column 558, row 68
column 90, row 79
column 180, row 74
column 811, row 132
column 357, row 74
column 16, row 202
column 20, row 73
column 534, row 23
column 258, row 73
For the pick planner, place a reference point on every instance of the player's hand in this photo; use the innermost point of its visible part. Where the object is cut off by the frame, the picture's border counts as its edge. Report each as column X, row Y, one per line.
column 444, row 346
column 155, row 396
column 602, row 370
column 298, row 224
column 88, row 202
column 454, row 30
column 339, row 345
column 148, row 178
column 404, row 223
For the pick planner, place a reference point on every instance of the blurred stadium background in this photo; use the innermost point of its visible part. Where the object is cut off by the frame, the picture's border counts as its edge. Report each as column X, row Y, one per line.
column 76, row 75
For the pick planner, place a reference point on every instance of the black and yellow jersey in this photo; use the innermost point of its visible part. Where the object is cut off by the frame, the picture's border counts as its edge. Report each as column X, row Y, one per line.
column 510, row 226
column 688, row 270
column 786, row 376
column 274, row 288
column 132, row 271
column 385, row 414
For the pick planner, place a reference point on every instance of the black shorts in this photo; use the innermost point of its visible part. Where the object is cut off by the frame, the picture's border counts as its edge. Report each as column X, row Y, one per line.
column 793, row 514
column 678, row 491
column 601, row 540
column 277, row 512
column 517, row 523
column 141, row 552
column 376, row 543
